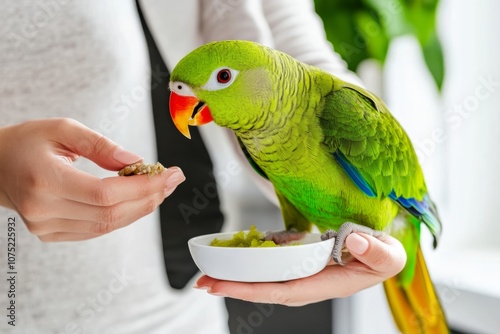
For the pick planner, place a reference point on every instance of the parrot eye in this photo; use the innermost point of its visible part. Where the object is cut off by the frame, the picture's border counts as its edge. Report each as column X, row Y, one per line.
column 224, row 76
column 221, row 78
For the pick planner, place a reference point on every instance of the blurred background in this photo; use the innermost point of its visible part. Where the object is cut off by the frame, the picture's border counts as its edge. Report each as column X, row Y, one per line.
column 435, row 63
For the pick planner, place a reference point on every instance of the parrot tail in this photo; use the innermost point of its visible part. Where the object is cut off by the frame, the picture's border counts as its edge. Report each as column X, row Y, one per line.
column 415, row 306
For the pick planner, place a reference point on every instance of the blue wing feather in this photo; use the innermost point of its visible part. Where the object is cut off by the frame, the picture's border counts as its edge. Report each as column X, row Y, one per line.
column 423, row 210
column 354, row 174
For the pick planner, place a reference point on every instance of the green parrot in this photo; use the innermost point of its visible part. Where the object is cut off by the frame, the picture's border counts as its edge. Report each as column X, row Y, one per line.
column 335, row 155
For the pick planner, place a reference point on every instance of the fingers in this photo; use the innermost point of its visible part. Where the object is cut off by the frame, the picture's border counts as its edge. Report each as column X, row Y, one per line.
column 83, row 141
column 286, row 293
column 110, row 204
column 324, row 285
column 97, row 220
column 386, row 256
column 85, row 188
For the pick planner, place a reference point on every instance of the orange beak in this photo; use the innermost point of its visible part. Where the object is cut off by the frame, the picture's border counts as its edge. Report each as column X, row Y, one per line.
column 188, row 110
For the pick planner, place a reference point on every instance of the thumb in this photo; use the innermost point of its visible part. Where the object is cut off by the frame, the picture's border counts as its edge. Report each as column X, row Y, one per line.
column 85, row 142
column 385, row 255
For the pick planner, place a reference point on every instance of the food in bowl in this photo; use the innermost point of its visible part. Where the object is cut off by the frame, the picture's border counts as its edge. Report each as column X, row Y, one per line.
column 252, row 238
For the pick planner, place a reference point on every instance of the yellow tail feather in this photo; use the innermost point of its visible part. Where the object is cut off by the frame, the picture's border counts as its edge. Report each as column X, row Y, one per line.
column 416, row 308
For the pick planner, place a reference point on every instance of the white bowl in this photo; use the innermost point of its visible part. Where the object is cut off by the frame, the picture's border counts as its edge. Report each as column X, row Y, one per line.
column 261, row 264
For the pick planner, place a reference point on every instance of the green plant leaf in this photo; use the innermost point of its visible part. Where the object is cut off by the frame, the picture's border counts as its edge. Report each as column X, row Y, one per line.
column 421, row 14
column 433, row 56
column 392, row 16
column 340, row 26
column 363, row 29
column 374, row 35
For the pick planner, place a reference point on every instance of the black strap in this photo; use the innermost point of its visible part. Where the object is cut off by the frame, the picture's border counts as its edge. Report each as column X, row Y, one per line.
column 194, row 208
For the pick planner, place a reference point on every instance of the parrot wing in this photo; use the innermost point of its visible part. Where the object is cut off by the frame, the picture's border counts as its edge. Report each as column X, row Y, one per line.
column 374, row 150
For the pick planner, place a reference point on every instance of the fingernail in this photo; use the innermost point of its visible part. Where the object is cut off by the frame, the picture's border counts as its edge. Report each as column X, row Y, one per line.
column 125, row 157
column 175, row 179
column 357, row 244
column 196, row 286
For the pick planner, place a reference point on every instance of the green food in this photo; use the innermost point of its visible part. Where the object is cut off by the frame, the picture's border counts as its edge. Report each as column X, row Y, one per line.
column 252, row 238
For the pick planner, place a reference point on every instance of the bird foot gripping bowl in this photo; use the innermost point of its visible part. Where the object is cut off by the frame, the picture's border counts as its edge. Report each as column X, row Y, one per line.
column 302, row 258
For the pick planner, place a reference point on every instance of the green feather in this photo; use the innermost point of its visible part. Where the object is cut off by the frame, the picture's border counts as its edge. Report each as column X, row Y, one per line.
column 351, row 118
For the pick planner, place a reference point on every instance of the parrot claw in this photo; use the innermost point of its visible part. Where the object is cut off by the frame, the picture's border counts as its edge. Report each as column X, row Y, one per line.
column 284, row 237
column 340, row 237
column 328, row 235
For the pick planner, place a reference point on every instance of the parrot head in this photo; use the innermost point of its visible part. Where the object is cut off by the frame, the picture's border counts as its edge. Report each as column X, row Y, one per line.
column 228, row 82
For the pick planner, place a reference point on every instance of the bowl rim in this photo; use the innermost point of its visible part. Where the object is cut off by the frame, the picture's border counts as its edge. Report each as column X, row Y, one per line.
column 193, row 240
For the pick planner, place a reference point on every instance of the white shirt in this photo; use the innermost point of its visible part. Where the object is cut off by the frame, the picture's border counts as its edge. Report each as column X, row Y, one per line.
column 88, row 60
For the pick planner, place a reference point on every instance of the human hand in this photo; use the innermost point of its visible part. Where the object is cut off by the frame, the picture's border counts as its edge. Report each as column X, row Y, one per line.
column 61, row 203
column 373, row 262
